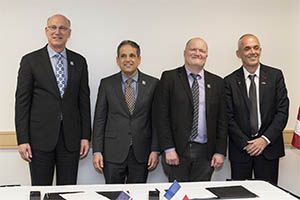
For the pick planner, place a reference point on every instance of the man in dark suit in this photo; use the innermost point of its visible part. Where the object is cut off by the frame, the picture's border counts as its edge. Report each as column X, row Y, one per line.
column 257, row 106
column 52, row 118
column 190, row 116
column 124, row 141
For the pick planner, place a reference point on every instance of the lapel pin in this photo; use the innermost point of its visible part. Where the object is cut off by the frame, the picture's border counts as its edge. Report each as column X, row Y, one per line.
column 208, row 86
column 263, row 83
column 239, row 82
column 144, row 82
column 71, row 63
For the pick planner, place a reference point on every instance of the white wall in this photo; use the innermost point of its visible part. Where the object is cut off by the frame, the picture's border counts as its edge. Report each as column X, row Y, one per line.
column 13, row 170
column 161, row 27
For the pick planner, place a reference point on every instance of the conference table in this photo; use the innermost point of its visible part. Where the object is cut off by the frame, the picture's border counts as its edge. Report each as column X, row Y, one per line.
column 195, row 190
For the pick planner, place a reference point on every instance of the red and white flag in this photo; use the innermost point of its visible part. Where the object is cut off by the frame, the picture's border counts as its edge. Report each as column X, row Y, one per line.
column 296, row 136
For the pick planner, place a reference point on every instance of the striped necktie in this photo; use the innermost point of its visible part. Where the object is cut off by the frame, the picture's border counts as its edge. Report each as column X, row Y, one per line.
column 195, row 95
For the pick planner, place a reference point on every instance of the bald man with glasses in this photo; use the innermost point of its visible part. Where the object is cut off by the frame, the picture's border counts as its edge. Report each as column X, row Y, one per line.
column 53, row 121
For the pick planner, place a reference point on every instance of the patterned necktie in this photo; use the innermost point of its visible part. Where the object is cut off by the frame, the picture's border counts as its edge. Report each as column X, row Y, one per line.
column 129, row 95
column 253, row 106
column 60, row 74
column 195, row 95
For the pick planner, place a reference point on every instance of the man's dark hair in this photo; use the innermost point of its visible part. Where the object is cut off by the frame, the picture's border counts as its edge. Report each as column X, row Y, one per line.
column 131, row 43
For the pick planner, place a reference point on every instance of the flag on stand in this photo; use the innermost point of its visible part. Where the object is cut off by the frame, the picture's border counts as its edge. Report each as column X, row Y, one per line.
column 296, row 136
column 124, row 196
column 173, row 189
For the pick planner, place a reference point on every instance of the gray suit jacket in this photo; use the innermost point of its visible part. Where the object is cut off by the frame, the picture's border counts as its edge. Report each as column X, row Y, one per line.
column 114, row 126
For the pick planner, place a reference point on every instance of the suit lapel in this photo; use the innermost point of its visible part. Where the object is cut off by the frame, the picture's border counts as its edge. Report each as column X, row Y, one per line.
column 240, row 81
column 208, row 84
column 184, row 80
column 70, row 65
column 141, row 86
column 117, row 84
column 45, row 62
column 263, row 82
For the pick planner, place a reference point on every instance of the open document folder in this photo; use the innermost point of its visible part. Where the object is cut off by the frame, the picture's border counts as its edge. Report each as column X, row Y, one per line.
column 90, row 195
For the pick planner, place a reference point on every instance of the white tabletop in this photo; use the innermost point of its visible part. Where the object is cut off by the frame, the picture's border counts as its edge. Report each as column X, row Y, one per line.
column 140, row 191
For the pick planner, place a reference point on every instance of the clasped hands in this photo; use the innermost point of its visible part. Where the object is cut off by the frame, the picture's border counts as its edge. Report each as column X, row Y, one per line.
column 256, row 146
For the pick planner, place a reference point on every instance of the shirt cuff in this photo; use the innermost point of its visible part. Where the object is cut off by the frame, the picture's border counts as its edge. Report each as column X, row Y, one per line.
column 155, row 152
column 264, row 137
column 97, row 153
column 169, row 150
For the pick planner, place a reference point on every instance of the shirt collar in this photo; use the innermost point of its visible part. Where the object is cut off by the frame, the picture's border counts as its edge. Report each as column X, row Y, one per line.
column 188, row 72
column 134, row 77
column 246, row 73
column 53, row 53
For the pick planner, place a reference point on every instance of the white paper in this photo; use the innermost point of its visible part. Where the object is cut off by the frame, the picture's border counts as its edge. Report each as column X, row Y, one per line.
column 90, row 195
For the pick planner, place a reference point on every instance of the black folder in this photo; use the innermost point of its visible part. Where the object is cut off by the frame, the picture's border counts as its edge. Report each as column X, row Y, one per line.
column 113, row 195
column 231, row 192
column 56, row 195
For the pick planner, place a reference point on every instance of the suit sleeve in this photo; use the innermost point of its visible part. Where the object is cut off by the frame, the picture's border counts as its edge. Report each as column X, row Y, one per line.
column 84, row 104
column 280, row 118
column 100, row 119
column 23, row 101
column 222, row 125
column 237, row 135
column 154, row 143
column 162, row 113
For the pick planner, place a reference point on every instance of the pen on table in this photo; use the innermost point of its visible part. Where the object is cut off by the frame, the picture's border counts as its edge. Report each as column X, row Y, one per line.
column 11, row 185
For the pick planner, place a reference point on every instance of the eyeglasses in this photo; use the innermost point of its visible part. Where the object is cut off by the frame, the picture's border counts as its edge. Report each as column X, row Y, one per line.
column 53, row 28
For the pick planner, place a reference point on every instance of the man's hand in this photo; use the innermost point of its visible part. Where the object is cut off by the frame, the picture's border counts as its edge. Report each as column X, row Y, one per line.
column 217, row 160
column 25, row 152
column 98, row 162
column 84, row 148
column 172, row 158
column 152, row 160
column 256, row 147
